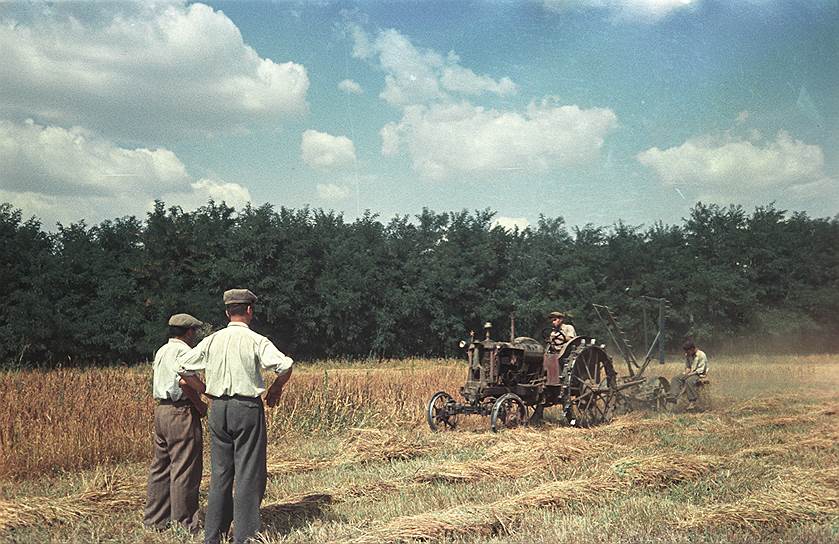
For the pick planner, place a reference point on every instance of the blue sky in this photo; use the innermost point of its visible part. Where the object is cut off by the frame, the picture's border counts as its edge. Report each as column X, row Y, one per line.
column 594, row 110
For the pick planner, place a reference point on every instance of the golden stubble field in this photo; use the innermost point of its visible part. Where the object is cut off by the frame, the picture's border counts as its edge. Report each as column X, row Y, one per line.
column 351, row 460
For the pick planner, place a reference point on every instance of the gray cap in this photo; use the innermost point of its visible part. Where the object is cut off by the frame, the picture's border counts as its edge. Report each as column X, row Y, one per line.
column 239, row 296
column 554, row 315
column 184, row 320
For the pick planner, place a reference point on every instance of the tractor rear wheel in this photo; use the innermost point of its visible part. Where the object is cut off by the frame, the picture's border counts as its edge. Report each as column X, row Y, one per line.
column 590, row 386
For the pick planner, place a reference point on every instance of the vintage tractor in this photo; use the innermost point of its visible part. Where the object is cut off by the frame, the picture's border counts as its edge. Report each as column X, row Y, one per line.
column 507, row 379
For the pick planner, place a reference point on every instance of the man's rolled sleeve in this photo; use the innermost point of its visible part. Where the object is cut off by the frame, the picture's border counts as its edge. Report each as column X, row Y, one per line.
column 272, row 358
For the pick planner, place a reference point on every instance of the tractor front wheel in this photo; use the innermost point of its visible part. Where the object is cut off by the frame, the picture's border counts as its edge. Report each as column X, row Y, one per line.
column 442, row 412
column 508, row 412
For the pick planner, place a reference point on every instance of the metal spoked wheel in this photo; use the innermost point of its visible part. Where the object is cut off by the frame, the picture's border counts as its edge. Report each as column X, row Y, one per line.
column 508, row 412
column 441, row 412
column 591, row 387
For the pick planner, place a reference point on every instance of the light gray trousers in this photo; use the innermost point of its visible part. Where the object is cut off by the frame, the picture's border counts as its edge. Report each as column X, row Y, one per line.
column 237, row 454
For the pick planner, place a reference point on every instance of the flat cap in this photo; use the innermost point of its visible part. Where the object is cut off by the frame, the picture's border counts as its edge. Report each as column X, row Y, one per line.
column 553, row 315
column 239, row 296
column 184, row 320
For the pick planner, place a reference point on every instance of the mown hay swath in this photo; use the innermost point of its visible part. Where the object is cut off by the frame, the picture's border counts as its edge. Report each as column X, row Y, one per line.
column 665, row 469
column 277, row 467
column 376, row 445
column 492, row 517
column 519, row 455
column 489, row 518
column 796, row 496
column 815, row 443
column 363, row 445
column 101, row 494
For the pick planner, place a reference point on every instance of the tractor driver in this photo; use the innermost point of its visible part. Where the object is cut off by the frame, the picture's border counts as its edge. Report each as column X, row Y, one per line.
column 561, row 332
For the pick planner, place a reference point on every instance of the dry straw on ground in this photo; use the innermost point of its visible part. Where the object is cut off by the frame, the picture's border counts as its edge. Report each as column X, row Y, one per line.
column 278, row 466
column 520, row 454
column 361, row 446
column 377, row 445
column 663, row 470
column 795, row 496
column 488, row 518
column 815, row 443
column 103, row 493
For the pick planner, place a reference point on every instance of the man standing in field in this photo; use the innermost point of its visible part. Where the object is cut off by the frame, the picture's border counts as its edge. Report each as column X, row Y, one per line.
column 175, row 474
column 696, row 366
column 232, row 359
column 561, row 332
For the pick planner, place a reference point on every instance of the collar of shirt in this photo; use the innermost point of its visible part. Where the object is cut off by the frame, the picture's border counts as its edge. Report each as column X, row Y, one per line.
column 238, row 324
column 171, row 340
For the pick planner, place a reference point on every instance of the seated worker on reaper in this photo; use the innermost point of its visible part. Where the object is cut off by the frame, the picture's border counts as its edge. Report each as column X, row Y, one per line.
column 561, row 333
column 696, row 368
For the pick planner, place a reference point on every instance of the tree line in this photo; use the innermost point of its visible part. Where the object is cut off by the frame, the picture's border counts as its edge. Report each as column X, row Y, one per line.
column 415, row 285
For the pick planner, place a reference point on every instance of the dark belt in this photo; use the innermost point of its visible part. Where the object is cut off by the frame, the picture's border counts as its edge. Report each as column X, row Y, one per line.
column 236, row 397
column 170, row 402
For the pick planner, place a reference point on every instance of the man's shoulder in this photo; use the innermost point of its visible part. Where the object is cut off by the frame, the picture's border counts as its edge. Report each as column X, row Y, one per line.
column 179, row 347
column 170, row 349
column 243, row 331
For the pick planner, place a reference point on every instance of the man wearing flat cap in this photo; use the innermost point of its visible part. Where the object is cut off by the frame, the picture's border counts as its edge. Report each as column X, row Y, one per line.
column 561, row 332
column 175, row 473
column 232, row 360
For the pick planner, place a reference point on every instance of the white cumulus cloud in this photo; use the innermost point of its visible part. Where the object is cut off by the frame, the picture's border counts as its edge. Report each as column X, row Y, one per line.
column 63, row 175
column 134, row 70
column 624, row 10
column 445, row 133
column 333, row 192
column 447, row 138
column 323, row 151
column 416, row 75
column 350, row 87
column 707, row 162
column 750, row 172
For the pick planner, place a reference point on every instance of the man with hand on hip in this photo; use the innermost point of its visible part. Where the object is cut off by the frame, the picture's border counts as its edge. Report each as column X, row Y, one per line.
column 232, row 359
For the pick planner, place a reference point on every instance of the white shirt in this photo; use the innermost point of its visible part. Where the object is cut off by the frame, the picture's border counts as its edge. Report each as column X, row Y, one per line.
column 558, row 338
column 231, row 360
column 165, row 381
column 697, row 363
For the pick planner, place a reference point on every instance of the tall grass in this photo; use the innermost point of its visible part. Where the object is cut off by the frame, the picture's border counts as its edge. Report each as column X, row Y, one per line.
column 71, row 418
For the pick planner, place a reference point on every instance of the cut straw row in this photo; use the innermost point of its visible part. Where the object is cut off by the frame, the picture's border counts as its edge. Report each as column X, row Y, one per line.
column 363, row 445
column 102, row 494
column 795, row 496
column 489, row 518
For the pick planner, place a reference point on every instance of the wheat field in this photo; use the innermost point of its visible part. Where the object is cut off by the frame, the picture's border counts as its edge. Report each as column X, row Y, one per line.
column 351, row 460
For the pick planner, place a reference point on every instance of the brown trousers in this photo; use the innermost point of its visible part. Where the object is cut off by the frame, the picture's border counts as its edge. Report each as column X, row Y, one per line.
column 175, row 474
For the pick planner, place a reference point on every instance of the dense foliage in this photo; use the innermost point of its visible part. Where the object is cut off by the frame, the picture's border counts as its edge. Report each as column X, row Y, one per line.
column 415, row 285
